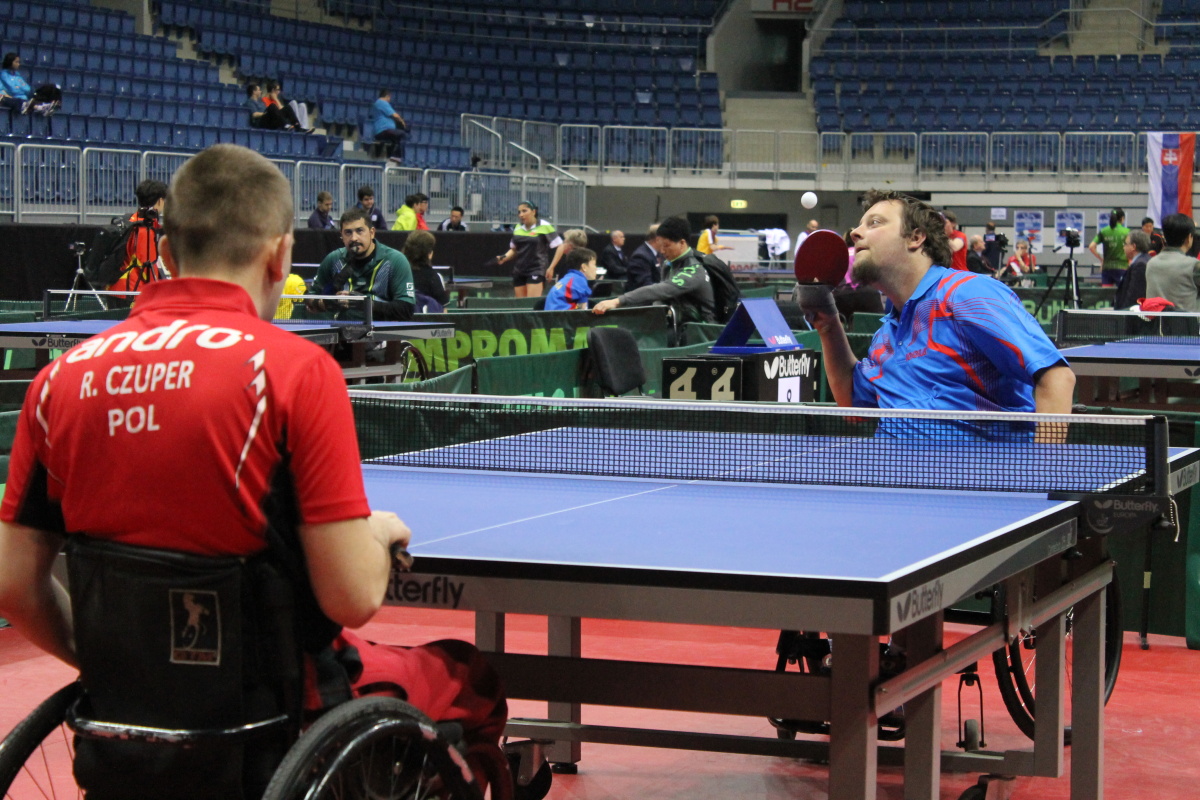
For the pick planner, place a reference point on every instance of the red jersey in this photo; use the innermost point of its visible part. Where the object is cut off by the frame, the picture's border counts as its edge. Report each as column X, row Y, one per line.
column 193, row 425
column 958, row 259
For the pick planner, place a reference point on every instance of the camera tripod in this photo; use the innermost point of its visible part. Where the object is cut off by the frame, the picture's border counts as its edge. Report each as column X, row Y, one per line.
column 81, row 280
column 1072, row 290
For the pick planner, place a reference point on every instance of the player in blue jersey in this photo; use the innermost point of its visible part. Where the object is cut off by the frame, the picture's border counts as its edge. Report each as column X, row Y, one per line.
column 953, row 341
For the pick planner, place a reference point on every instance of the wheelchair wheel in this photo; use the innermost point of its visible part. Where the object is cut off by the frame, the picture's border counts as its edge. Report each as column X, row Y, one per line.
column 415, row 367
column 373, row 748
column 27, row 773
column 1016, row 670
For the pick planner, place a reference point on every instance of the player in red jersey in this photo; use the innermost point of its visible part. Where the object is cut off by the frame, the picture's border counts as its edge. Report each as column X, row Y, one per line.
column 197, row 425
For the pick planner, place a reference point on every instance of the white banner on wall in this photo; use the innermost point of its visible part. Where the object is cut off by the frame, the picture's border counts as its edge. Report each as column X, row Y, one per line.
column 1027, row 224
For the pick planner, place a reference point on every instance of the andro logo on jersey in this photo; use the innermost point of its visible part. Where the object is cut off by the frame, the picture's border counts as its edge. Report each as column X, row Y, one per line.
column 439, row 591
column 164, row 337
column 788, row 366
column 920, row 602
column 195, row 627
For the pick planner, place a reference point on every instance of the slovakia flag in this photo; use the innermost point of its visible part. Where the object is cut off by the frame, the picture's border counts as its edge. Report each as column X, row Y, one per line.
column 1170, row 158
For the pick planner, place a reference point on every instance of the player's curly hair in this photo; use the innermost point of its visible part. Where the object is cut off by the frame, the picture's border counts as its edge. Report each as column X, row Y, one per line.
column 917, row 215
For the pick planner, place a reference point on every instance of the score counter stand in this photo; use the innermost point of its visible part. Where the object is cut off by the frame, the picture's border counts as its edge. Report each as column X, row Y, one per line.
column 779, row 370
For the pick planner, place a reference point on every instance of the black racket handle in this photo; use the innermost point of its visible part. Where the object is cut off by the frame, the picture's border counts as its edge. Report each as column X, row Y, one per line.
column 401, row 557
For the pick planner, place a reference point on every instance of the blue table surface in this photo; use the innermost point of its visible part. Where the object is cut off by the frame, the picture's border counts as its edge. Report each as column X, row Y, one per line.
column 750, row 529
column 1134, row 350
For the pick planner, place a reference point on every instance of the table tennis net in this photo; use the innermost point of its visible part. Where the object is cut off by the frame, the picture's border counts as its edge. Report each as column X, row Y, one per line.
column 1094, row 326
column 747, row 442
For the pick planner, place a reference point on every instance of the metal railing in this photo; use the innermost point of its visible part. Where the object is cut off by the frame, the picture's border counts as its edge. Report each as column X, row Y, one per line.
column 726, row 156
column 54, row 183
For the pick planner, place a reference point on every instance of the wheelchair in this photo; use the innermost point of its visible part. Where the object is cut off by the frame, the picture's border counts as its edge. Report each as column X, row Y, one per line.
column 204, row 699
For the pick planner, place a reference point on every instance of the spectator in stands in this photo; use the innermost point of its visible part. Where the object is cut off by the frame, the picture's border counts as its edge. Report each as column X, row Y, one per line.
column 958, row 242
column 455, row 221
column 993, row 251
column 707, row 242
column 16, row 93
column 529, row 250
column 573, row 289
column 262, row 115
column 1112, row 239
column 643, row 262
column 388, row 126
column 321, row 219
column 613, row 258
column 1132, row 288
column 812, row 225
column 366, row 202
column 976, row 260
column 365, row 266
column 271, row 100
column 431, row 293
column 576, row 237
column 685, row 285
column 1173, row 274
column 1157, row 243
column 141, row 248
column 1021, row 262
column 298, row 109
column 411, row 215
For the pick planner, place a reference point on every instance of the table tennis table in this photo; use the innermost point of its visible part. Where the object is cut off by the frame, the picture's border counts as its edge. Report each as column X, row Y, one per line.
column 741, row 536
column 63, row 334
column 1161, row 350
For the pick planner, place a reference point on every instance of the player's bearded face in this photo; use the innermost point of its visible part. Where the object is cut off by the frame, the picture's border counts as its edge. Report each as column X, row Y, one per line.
column 865, row 271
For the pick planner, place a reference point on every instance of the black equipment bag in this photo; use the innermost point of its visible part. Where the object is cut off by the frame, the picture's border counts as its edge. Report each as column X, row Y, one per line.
column 174, row 640
column 726, row 294
column 107, row 257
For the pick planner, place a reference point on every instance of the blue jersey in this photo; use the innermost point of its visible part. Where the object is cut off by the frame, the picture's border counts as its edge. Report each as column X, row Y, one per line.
column 381, row 117
column 962, row 342
column 571, row 291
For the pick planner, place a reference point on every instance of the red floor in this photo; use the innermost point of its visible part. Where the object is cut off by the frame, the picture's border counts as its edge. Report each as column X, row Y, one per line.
column 1153, row 719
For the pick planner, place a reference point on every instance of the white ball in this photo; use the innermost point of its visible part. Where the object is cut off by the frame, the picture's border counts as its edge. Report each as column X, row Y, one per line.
column 809, row 200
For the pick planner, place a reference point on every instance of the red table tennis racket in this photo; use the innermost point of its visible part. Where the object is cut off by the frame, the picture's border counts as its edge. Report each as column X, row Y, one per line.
column 822, row 258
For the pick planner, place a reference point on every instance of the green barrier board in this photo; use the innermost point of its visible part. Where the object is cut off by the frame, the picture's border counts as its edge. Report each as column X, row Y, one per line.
column 519, row 333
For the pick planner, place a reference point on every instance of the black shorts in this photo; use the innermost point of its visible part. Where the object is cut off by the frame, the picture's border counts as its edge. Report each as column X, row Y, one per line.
column 521, row 277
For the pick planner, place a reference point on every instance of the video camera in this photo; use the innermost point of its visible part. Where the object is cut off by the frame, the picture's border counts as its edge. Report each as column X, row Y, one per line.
column 1071, row 237
column 999, row 239
column 78, row 248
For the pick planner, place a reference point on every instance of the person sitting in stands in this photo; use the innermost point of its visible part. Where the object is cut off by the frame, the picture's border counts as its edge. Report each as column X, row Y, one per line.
column 264, row 116
column 16, row 93
column 388, row 126
column 573, row 289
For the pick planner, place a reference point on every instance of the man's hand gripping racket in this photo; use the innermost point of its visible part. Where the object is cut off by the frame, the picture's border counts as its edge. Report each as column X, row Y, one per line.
column 821, row 264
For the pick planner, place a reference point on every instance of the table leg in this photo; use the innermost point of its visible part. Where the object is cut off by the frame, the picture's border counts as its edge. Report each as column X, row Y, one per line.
column 923, row 716
column 489, row 631
column 1051, row 703
column 1087, row 700
column 854, row 734
column 564, row 638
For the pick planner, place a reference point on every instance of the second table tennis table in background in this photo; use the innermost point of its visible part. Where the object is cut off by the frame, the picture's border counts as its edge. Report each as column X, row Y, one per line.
column 1160, row 350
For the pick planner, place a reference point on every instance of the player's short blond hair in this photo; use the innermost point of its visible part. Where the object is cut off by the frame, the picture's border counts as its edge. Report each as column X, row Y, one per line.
column 576, row 237
column 223, row 205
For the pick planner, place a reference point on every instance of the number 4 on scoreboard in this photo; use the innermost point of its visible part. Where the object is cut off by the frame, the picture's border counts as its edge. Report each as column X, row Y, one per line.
column 704, row 381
